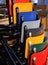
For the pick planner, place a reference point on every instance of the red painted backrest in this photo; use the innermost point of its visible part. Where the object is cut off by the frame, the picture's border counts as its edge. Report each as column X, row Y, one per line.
column 40, row 57
column 21, row 1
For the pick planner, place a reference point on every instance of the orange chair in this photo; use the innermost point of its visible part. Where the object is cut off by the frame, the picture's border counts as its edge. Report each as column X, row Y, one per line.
column 44, row 20
column 23, row 7
column 34, row 40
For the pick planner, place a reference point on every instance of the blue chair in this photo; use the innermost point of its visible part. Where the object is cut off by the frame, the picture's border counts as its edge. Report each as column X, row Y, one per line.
column 28, row 16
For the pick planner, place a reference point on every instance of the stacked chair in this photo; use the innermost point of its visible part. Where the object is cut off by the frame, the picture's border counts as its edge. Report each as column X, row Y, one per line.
column 42, row 13
column 28, row 31
column 21, row 1
column 23, row 7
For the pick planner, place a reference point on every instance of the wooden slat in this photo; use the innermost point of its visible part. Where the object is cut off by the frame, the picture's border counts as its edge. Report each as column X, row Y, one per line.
column 5, row 21
column 43, row 7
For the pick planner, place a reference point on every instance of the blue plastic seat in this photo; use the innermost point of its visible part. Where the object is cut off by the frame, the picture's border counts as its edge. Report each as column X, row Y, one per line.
column 28, row 16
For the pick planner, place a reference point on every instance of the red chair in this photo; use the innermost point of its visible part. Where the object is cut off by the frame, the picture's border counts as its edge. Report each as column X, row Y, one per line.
column 21, row 1
column 40, row 57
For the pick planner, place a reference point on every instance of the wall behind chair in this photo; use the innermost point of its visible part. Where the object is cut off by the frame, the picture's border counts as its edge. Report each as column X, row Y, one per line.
column 40, row 2
column 2, row 1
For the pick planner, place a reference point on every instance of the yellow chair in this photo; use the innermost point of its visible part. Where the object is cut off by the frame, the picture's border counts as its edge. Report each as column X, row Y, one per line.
column 34, row 40
column 44, row 20
column 23, row 7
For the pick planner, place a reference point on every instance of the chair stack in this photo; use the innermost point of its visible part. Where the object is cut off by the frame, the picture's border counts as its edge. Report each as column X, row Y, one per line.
column 42, row 13
column 32, row 33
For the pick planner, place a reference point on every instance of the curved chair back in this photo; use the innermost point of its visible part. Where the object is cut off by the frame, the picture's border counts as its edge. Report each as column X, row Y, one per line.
column 27, row 16
column 23, row 7
column 41, row 57
column 39, row 47
column 21, row 1
column 44, row 19
column 29, row 24
column 35, row 32
column 34, row 40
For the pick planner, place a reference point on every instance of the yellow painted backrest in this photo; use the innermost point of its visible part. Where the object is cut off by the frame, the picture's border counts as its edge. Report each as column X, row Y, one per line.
column 23, row 7
column 44, row 20
column 34, row 40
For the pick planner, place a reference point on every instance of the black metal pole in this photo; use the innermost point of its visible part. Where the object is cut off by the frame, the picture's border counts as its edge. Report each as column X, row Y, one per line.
column 8, row 7
column 8, row 52
column 12, row 51
column 17, row 13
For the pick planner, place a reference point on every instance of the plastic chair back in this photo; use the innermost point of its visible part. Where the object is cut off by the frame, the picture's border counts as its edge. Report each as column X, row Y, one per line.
column 23, row 7
column 27, row 16
column 21, row 1
column 34, row 40
column 41, row 57
column 29, row 24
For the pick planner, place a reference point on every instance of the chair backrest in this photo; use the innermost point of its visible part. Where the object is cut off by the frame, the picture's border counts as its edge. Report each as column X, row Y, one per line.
column 35, row 31
column 39, row 47
column 29, row 24
column 23, row 7
column 33, row 40
column 41, row 57
column 21, row 1
column 44, row 19
column 27, row 16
